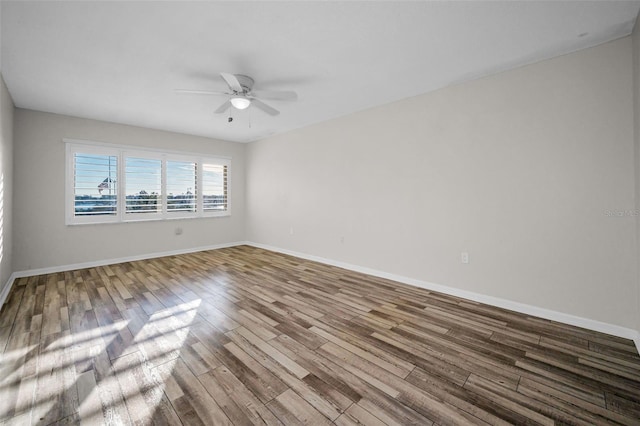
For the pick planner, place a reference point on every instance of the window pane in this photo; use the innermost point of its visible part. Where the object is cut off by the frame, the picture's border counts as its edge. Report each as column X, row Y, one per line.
column 181, row 186
column 143, row 185
column 94, row 184
column 214, row 187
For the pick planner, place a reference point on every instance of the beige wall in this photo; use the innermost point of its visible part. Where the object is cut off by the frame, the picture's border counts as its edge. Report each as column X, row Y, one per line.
column 6, row 184
column 518, row 169
column 636, row 133
column 42, row 239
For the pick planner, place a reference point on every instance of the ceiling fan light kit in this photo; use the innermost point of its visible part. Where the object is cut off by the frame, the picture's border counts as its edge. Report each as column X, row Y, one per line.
column 242, row 95
column 240, row 103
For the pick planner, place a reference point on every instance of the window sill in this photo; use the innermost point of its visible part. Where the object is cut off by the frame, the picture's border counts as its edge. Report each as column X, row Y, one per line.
column 155, row 219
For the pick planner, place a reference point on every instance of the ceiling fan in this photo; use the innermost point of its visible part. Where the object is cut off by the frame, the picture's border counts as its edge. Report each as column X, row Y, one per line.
column 242, row 94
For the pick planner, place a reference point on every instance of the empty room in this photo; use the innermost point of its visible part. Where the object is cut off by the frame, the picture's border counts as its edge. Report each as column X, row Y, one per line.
column 320, row 212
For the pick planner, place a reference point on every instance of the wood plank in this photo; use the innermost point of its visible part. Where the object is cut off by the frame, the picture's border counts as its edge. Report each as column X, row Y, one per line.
column 246, row 401
column 425, row 403
column 204, row 407
column 143, row 391
column 290, row 408
column 508, row 398
column 302, row 388
column 362, row 353
column 270, row 385
column 578, row 408
column 277, row 356
column 234, row 412
column 356, row 415
column 11, row 305
column 351, row 385
column 90, row 410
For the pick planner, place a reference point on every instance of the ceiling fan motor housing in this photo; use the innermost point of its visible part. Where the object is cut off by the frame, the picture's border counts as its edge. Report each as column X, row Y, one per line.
column 245, row 82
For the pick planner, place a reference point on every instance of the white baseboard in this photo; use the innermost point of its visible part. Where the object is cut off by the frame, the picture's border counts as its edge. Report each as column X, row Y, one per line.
column 614, row 330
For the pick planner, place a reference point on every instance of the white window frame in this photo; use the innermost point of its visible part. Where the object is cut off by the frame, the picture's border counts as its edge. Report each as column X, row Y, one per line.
column 122, row 152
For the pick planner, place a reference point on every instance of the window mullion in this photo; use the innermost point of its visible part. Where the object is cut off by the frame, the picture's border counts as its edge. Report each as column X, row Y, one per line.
column 163, row 185
column 121, row 198
column 70, row 173
column 199, row 187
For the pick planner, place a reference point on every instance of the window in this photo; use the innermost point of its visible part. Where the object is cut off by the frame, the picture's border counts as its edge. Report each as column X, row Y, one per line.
column 143, row 183
column 92, row 200
column 118, row 184
column 181, row 186
column 214, row 187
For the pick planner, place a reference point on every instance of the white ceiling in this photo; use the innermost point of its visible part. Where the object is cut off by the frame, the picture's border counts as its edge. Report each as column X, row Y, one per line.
column 121, row 61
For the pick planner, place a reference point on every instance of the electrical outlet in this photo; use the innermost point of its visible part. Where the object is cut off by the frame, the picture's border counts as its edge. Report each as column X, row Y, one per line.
column 464, row 257
column 341, row 240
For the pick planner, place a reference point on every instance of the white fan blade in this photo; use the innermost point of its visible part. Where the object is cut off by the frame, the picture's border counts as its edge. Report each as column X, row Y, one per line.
column 232, row 81
column 222, row 108
column 276, row 95
column 201, row 92
column 266, row 108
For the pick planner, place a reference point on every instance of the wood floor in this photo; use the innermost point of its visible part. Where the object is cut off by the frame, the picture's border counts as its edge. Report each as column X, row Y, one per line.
column 246, row 336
